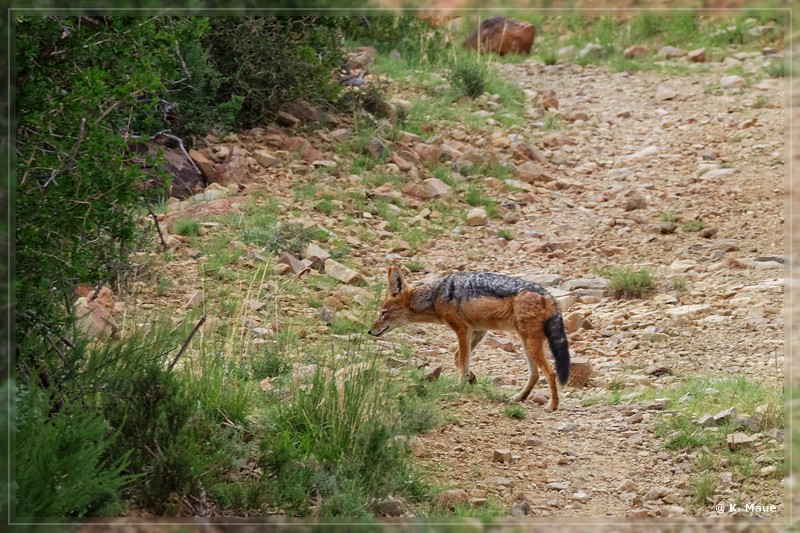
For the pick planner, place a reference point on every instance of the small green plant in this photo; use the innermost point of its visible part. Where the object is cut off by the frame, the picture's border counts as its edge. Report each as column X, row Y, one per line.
column 414, row 266
column 679, row 285
column 704, row 486
column 514, row 411
column 187, row 227
column 691, row 226
column 505, row 234
column 625, row 282
column 326, row 206
column 476, row 198
column 668, row 216
column 469, row 77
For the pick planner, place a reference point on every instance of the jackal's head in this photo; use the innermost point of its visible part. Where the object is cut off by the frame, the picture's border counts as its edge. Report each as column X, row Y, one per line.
column 395, row 310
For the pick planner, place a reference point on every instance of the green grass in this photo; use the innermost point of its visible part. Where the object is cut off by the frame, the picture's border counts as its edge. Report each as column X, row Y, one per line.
column 477, row 198
column 188, row 227
column 515, row 412
column 691, row 226
column 626, row 282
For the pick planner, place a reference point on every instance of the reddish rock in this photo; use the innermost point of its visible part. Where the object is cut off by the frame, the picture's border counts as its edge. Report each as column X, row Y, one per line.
column 311, row 154
column 234, row 170
column 296, row 144
column 502, row 36
column 697, row 56
column 206, row 167
column 451, row 498
column 635, row 51
column 548, row 102
column 580, row 370
column 427, row 153
column 93, row 319
column 287, row 120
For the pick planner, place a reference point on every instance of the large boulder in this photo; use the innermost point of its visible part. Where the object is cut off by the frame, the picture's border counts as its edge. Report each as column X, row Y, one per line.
column 502, row 36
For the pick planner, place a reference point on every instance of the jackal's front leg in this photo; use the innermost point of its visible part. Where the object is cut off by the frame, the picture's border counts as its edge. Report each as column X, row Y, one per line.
column 462, row 356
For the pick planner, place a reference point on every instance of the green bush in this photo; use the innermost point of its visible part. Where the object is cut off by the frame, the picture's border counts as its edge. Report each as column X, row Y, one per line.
column 273, row 60
column 469, row 77
column 625, row 282
column 63, row 468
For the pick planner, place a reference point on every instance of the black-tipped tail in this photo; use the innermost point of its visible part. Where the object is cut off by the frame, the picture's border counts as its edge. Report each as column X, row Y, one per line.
column 557, row 338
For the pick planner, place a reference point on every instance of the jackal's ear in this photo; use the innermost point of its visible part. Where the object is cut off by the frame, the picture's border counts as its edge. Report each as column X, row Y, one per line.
column 396, row 282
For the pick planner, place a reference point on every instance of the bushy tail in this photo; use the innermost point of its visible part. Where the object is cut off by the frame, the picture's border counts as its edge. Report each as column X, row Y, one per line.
column 557, row 338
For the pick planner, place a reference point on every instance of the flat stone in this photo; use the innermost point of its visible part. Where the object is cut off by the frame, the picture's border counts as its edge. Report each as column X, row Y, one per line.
column 343, row 273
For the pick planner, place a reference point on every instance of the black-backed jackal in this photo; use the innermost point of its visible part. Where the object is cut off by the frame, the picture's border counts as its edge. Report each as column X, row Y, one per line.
column 472, row 304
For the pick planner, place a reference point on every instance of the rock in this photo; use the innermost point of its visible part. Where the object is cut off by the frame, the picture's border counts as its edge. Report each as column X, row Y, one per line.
column 740, row 440
column 707, row 233
column 573, row 322
column 501, row 35
column 667, row 228
column 520, row 509
column 195, row 300
column 477, row 217
column 341, row 134
column 697, row 56
column 450, row 498
column 567, row 427
column 635, row 200
column 436, row 188
column 531, row 172
column 296, row 266
column 580, row 370
column 673, row 510
column 206, row 167
column 342, row 273
column 545, row 280
column 287, row 120
column 685, row 311
column 655, row 493
column 234, row 170
column 433, row 373
column 427, row 153
column 585, row 283
column 93, row 318
column 376, row 149
column 730, row 82
column 627, row 486
column 665, row 93
column 591, row 50
column 725, row 416
column 390, row 506
column 316, row 255
column 501, row 456
column 643, row 153
column 671, row 52
column 266, row 159
column 581, row 496
column 555, row 485
column 634, row 52
column 577, row 115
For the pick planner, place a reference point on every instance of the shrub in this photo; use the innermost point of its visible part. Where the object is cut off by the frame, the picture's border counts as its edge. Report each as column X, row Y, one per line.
column 469, row 77
column 187, row 227
column 273, row 60
column 62, row 465
column 625, row 282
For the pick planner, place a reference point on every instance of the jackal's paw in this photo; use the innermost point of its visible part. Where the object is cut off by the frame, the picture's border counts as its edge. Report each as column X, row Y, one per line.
column 521, row 396
column 471, row 378
column 550, row 408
